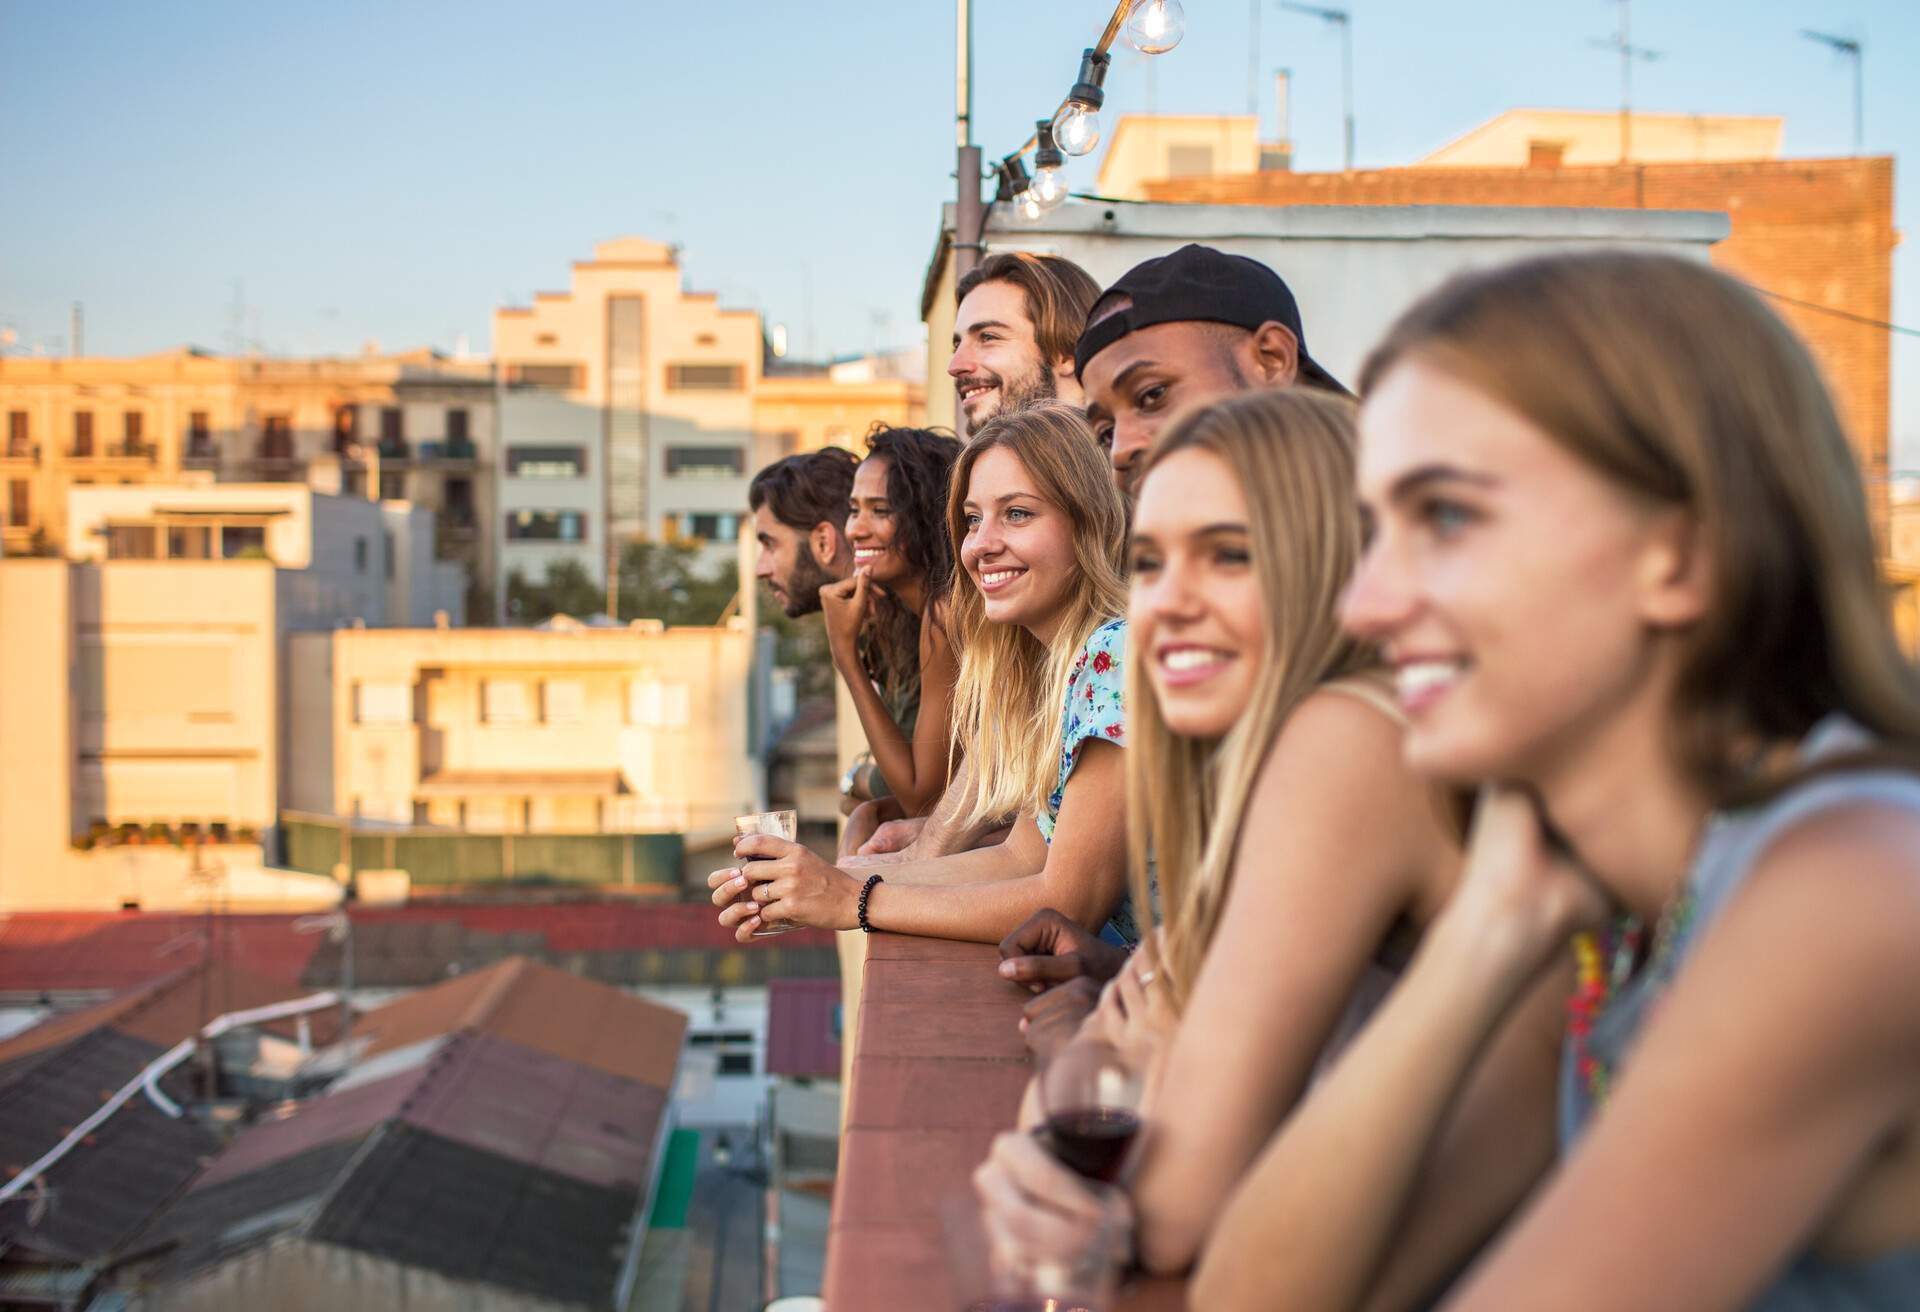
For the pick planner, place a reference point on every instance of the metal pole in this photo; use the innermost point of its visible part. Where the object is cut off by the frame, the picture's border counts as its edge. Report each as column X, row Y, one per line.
column 1346, row 54
column 967, row 217
column 1859, row 112
column 1253, row 63
column 1626, row 88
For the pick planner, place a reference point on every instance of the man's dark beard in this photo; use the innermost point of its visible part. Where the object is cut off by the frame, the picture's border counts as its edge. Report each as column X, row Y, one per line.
column 1028, row 390
column 804, row 584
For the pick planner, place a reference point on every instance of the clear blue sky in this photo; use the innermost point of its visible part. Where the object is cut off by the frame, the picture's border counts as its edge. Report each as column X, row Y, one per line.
column 396, row 170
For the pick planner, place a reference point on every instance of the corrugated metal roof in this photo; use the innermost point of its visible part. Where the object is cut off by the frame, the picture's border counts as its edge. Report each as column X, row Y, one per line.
column 541, row 1008
column 616, row 940
column 803, row 1027
column 112, row 1181
column 424, row 1200
column 116, row 950
column 489, row 1093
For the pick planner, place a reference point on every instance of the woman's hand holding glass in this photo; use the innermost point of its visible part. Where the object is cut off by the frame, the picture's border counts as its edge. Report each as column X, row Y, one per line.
column 786, row 885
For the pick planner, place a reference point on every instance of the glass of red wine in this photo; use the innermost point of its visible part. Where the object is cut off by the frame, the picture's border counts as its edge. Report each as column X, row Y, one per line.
column 1091, row 1099
column 987, row 1273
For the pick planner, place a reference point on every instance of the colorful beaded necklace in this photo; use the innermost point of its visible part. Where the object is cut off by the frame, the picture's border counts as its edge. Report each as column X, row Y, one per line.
column 1606, row 962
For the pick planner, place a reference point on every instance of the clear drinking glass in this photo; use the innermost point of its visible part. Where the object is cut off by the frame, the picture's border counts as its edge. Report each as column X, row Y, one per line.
column 778, row 824
column 1091, row 1099
column 986, row 1274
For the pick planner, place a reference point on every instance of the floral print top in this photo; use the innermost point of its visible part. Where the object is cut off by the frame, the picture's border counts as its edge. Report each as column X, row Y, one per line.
column 1093, row 709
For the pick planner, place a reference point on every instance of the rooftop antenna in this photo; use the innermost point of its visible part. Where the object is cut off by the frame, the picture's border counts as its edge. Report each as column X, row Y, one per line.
column 1628, row 52
column 1342, row 19
column 1856, row 51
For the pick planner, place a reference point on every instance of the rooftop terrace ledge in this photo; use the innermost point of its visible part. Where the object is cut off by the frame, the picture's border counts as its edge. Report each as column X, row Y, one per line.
column 938, row 1067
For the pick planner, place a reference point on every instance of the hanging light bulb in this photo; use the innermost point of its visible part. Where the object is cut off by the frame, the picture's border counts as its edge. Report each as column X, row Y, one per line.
column 1049, row 175
column 1076, row 128
column 1156, row 26
column 1028, row 206
column 1049, row 188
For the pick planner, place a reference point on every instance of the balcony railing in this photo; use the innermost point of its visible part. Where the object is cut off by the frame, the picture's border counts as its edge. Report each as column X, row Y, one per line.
column 21, row 451
column 146, row 451
column 201, row 454
column 938, row 1068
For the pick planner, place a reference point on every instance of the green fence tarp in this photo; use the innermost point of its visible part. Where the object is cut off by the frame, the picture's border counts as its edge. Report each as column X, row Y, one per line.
column 675, row 1193
column 315, row 846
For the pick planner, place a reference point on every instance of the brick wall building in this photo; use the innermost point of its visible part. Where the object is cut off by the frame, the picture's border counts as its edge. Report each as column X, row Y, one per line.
column 1818, row 231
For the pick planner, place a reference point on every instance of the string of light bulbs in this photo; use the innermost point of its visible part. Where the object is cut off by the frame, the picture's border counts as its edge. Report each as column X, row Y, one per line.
column 1152, row 27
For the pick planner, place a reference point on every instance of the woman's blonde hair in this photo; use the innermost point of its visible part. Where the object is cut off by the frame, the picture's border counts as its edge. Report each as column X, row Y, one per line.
column 1292, row 453
column 1678, row 385
column 1009, row 698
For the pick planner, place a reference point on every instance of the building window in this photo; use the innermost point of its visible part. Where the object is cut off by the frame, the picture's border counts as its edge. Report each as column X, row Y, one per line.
column 346, row 427
column 189, row 542
column 705, row 377
column 458, row 504
column 360, row 555
column 734, row 1049
column 546, row 461
column 393, row 486
column 563, row 701
column 1189, row 161
column 382, row 703
column 82, row 432
column 563, row 377
column 243, row 542
column 706, row 462
column 504, row 701
column 133, row 428
column 652, row 704
column 393, row 431
column 19, row 502
column 702, row 527
column 390, row 554
column 276, row 437
column 199, row 434
column 17, row 432
column 546, row 526
column 458, row 428
column 130, row 542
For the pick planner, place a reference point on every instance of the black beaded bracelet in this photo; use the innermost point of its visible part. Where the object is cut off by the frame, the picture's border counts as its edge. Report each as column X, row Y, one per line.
column 866, row 891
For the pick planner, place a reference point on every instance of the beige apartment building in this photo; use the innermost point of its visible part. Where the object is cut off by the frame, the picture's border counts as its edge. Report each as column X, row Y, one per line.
column 474, row 755
column 414, row 427
column 138, row 708
column 626, row 412
column 806, row 408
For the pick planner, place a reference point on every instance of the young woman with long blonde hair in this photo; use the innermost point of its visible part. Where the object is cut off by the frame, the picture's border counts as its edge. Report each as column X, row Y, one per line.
column 1623, row 568
column 1297, row 858
column 1038, row 530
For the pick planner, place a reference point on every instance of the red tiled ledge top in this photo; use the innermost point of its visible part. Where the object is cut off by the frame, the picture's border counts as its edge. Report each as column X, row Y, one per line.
column 938, row 1067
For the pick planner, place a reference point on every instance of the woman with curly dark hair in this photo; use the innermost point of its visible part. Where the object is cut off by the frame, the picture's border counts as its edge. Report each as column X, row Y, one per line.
column 886, row 625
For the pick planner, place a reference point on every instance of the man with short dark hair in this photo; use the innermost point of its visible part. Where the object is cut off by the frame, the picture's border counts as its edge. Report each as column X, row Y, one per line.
column 799, row 518
column 1182, row 330
column 1018, row 318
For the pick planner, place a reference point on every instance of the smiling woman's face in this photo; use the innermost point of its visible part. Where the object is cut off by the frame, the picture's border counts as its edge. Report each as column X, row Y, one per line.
column 1018, row 548
column 1196, row 613
column 1516, row 592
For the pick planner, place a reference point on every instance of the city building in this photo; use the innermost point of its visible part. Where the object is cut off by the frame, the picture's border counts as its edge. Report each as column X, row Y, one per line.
column 573, row 752
column 414, row 427
column 800, row 407
column 626, row 413
column 1815, row 235
column 342, row 559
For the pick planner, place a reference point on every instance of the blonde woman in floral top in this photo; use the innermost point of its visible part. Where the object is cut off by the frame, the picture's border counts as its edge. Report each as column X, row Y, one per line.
column 1039, row 532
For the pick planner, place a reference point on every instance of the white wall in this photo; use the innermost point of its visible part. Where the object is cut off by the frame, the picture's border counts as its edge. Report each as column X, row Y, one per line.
column 1353, row 269
column 533, row 418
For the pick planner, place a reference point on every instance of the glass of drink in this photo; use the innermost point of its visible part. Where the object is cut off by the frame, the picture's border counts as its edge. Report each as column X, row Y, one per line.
column 778, row 824
column 1092, row 1103
column 995, row 1273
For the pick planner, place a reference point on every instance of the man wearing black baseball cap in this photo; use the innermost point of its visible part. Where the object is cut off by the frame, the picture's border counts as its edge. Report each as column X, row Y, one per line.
column 1181, row 330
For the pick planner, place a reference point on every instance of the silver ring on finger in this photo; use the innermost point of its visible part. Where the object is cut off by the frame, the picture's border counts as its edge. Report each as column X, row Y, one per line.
column 764, row 893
